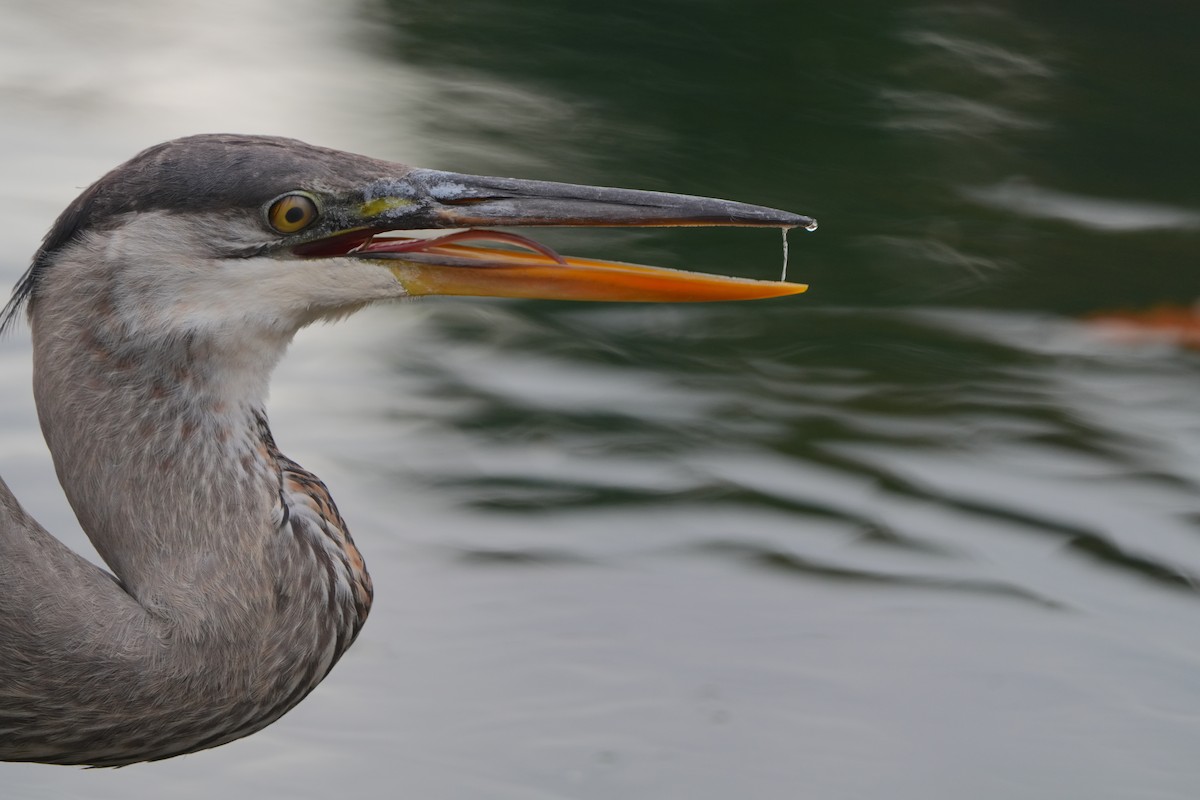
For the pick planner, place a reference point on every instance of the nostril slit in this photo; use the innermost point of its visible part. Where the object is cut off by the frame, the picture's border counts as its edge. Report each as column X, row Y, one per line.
column 472, row 201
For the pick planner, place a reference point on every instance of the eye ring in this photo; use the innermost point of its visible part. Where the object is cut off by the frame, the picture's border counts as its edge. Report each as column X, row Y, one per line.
column 292, row 212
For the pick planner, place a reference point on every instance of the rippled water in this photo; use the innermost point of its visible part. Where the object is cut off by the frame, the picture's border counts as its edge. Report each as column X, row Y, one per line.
column 926, row 531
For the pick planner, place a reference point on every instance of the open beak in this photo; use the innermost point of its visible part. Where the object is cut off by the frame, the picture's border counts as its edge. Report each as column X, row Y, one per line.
column 429, row 199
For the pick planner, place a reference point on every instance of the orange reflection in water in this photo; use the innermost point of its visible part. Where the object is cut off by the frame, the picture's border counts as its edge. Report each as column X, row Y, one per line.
column 1176, row 324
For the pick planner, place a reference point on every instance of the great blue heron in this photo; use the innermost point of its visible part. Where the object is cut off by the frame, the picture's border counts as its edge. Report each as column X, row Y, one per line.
column 159, row 303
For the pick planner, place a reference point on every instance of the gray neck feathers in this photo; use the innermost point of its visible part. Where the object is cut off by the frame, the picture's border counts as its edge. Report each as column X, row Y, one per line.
column 246, row 585
column 155, row 442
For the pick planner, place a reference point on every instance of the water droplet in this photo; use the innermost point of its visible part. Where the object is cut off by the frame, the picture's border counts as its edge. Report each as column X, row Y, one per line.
column 783, row 275
column 812, row 226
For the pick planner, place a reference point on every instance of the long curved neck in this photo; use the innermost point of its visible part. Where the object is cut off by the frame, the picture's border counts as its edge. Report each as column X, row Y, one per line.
column 159, row 445
column 247, row 585
column 160, row 451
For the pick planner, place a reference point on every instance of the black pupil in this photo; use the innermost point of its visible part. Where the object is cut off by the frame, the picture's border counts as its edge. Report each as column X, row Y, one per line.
column 294, row 214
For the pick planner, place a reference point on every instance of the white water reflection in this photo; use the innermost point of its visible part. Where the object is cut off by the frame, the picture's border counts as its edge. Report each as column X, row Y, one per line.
column 1024, row 198
column 987, row 59
column 102, row 77
column 944, row 113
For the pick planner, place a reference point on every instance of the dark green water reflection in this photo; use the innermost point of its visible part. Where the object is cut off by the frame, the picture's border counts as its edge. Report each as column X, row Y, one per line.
column 1005, row 154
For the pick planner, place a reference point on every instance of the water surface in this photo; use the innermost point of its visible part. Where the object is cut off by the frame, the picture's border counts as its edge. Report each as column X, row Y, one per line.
column 925, row 531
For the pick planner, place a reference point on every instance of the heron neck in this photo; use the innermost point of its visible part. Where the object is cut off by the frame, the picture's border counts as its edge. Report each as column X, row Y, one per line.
column 250, row 584
column 159, row 452
column 160, row 441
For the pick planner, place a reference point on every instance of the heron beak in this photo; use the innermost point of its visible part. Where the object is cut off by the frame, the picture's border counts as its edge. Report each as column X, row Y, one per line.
column 447, row 265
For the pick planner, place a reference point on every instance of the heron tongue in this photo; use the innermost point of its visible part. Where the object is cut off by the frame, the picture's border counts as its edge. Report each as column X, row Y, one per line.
column 413, row 245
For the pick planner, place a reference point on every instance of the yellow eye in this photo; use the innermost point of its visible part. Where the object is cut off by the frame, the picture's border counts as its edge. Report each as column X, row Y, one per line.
column 292, row 212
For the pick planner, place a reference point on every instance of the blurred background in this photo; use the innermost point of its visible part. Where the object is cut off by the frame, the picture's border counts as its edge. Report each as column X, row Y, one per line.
column 930, row 530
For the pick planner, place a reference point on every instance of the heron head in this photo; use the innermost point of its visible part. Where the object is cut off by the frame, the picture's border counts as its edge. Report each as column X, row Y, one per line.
column 249, row 233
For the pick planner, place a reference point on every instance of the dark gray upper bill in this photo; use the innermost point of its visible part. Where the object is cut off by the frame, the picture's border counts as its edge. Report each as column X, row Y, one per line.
column 451, row 199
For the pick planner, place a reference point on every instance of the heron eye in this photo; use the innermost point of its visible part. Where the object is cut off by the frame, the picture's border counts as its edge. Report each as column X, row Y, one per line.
column 292, row 212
